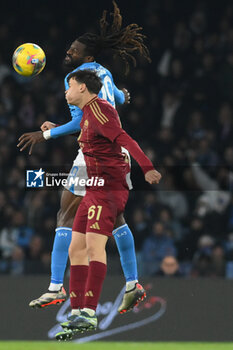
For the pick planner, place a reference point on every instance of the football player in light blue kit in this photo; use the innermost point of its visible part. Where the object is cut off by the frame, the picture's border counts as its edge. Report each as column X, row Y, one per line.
column 82, row 55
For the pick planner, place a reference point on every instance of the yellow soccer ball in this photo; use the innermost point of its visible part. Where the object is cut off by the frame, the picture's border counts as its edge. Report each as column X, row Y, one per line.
column 28, row 59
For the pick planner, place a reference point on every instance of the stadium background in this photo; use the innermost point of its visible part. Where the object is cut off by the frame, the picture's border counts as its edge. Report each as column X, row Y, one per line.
column 181, row 113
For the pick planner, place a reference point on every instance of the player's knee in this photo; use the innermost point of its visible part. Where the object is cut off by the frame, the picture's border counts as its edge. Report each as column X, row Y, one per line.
column 73, row 250
column 59, row 217
column 77, row 255
column 93, row 253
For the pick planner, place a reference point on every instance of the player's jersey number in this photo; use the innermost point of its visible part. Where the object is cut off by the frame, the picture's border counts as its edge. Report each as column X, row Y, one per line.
column 107, row 90
column 94, row 211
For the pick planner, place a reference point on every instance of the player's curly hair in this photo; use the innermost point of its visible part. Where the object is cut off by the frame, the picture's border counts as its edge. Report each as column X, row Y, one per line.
column 124, row 42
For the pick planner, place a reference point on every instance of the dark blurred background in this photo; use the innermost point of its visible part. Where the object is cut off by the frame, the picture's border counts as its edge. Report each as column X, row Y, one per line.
column 181, row 114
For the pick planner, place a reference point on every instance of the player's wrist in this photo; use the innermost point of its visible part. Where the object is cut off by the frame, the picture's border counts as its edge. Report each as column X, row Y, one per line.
column 47, row 134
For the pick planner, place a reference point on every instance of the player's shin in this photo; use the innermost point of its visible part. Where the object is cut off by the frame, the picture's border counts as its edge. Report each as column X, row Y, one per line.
column 78, row 278
column 59, row 257
column 125, row 244
column 96, row 275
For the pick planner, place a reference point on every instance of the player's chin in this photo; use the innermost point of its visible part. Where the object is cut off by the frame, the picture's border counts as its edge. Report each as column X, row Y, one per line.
column 68, row 63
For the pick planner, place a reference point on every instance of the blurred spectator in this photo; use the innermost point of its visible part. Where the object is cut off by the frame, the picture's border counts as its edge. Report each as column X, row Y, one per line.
column 169, row 267
column 173, row 225
column 175, row 200
column 156, row 247
column 210, row 264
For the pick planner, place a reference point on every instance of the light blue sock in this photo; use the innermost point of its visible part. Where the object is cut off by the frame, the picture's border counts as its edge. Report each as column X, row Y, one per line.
column 60, row 254
column 125, row 244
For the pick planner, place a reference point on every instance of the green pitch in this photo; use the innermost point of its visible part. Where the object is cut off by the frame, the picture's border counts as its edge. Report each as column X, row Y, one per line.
column 27, row 345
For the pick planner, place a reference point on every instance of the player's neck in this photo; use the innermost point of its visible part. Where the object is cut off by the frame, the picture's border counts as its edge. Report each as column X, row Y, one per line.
column 86, row 99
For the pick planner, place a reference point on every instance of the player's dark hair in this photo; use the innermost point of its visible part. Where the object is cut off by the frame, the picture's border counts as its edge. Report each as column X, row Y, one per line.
column 89, row 78
column 124, row 42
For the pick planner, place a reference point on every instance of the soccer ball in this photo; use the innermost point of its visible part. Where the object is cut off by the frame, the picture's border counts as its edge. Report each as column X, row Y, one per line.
column 28, row 59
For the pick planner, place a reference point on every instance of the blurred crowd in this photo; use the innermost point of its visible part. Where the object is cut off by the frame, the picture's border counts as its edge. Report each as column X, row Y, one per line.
column 181, row 114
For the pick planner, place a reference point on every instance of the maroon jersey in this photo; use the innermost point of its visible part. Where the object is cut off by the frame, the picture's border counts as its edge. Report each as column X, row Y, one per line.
column 101, row 140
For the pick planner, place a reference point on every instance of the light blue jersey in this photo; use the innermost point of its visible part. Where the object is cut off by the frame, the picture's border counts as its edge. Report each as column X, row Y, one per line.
column 109, row 92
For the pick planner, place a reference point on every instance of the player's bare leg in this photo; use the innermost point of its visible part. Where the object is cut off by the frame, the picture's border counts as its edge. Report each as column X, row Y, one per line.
column 56, row 293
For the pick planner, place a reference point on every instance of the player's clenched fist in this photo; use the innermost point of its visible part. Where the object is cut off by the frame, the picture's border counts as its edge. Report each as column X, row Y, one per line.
column 127, row 96
column 47, row 126
column 153, row 177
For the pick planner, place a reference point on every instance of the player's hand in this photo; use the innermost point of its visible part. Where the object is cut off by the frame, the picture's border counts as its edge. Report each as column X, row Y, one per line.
column 30, row 139
column 153, row 177
column 47, row 126
column 127, row 96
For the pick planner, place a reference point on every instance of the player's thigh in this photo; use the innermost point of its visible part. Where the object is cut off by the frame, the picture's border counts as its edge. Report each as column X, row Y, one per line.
column 69, row 201
column 77, row 251
column 78, row 244
column 120, row 221
column 68, row 208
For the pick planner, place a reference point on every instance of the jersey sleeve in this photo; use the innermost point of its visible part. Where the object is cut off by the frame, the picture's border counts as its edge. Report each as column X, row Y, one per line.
column 118, row 95
column 69, row 128
column 106, row 123
column 124, row 140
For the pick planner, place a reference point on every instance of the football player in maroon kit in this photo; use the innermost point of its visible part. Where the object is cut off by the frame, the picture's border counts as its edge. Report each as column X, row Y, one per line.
column 101, row 140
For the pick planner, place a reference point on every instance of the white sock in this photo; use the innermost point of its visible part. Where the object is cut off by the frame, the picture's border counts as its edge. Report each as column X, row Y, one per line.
column 54, row 287
column 130, row 285
column 90, row 312
column 75, row 312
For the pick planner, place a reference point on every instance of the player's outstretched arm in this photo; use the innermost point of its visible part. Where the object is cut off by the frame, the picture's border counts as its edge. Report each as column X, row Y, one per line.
column 69, row 128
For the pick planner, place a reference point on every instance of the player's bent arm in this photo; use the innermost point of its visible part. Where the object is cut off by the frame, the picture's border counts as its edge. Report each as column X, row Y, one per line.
column 119, row 95
column 151, row 175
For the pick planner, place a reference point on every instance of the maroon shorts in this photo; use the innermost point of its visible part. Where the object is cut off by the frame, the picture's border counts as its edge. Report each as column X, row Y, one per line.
column 98, row 211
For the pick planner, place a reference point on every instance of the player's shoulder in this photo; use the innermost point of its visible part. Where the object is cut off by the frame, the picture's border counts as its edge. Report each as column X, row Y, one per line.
column 104, row 105
column 101, row 70
column 101, row 109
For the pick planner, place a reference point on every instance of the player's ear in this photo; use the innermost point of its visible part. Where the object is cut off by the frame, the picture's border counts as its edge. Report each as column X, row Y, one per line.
column 90, row 58
column 82, row 87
